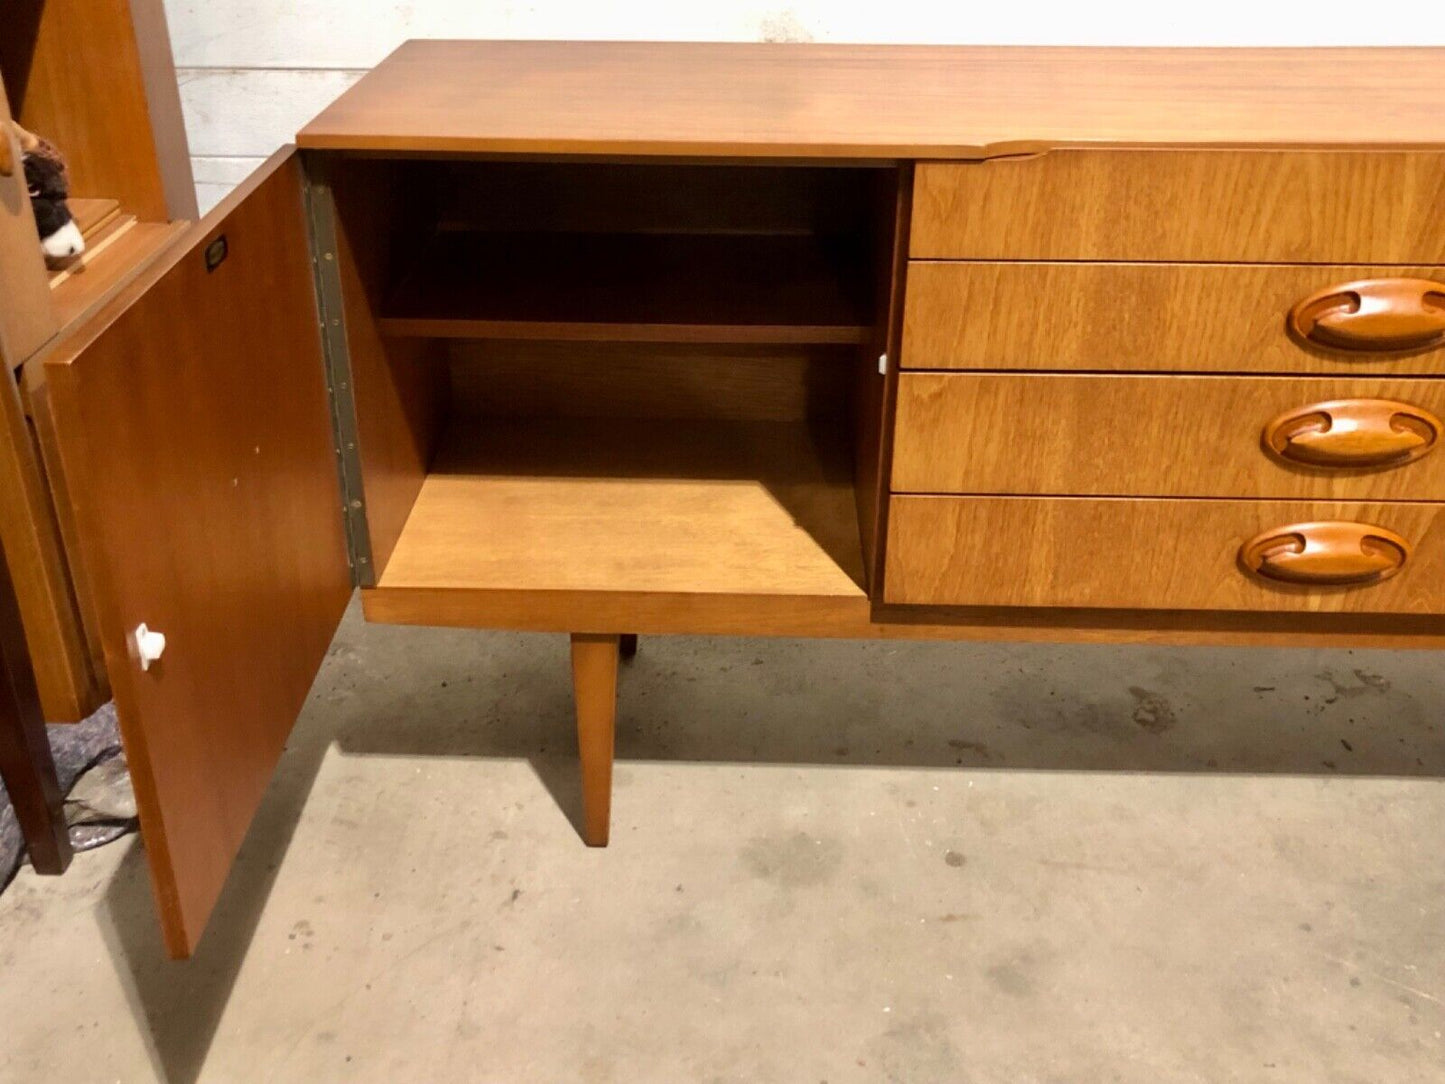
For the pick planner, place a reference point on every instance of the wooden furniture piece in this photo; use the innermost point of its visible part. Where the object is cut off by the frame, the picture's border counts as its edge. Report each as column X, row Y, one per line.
column 96, row 77
column 619, row 339
column 27, row 765
column 594, row 682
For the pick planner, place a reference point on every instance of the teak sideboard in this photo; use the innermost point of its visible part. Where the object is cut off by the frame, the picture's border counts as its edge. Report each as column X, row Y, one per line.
column 613, row 339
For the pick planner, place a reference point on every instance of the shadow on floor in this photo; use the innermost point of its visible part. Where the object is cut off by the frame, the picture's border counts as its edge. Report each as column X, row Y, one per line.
column 179, row 1004
column 445, row 693
column 925, row 705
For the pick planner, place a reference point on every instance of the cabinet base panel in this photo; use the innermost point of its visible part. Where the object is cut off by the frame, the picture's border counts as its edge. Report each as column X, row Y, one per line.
column 854, row 619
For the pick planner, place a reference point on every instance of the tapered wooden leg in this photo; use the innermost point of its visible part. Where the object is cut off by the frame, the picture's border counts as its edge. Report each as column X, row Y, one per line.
column 627, row 646
column 594, row 688
column 26, row 763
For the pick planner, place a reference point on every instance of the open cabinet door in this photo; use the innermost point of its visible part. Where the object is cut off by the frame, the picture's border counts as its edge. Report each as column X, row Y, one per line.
column 194, row 425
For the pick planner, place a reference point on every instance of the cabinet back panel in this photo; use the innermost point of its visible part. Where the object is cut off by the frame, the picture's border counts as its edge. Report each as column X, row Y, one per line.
column 623, row 380
column 624, row 197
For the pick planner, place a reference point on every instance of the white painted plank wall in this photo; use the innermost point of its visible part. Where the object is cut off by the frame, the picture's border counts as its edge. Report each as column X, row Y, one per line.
column 252, row 72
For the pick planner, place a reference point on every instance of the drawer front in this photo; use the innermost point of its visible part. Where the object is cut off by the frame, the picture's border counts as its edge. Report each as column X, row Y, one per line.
column 1170, row 436
column 1196, row 317
column 1164, row 554
column 1213, row 205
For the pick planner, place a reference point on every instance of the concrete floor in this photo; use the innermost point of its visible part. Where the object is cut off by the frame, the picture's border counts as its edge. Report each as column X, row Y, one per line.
column 830, row 862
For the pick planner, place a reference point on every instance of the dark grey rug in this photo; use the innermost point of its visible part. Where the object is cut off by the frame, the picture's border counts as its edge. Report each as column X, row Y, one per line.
column 99, row 805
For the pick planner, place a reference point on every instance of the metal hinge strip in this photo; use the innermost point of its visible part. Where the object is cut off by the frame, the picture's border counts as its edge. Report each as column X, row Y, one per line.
column 321, row 217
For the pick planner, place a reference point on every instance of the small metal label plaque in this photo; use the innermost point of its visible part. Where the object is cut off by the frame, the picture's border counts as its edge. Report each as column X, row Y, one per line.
column 216, row 253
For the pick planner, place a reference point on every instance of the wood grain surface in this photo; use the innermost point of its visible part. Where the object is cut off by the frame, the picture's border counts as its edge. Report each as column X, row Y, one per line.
column 400, row 384
column 205, row 481
column 90, row 689
column 873, row 101
column 874, row 390
column 1146, row 436
column 104, row 267
column 856, row 619
column 1137, row 554
column 96, row 78
column 1254, row 206
column 1132, row 316
column 28, row 529
column 26, row 318
column 539, row 379
column 594, row 691
column 30, row 533
column 631, row 507
column 92, row 214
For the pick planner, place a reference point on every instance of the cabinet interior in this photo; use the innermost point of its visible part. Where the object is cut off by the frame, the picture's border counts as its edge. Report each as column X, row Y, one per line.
column 615, row 377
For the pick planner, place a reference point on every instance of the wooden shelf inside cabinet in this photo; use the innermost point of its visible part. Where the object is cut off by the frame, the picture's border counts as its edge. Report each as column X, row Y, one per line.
column 633, row 507
column 635, row 287
column 93, row 215
column 117, row 248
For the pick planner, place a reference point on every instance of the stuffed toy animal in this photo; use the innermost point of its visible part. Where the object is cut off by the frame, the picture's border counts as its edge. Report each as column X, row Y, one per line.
column 49, row 186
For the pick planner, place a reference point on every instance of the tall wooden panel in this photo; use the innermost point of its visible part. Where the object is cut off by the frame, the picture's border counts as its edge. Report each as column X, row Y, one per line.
column 96, row 77
column 193, row 420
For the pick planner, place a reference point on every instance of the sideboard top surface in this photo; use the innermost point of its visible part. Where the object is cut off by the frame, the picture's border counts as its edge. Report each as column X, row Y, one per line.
column 877, row 101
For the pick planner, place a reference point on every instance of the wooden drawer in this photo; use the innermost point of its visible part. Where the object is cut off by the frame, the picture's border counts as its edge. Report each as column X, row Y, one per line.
column 1170, row 436
column 1219, row 205
column 1140, row 554
column 1197, row 317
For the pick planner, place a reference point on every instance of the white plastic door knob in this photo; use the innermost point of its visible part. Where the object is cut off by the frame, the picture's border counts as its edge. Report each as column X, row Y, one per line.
column 149, row 645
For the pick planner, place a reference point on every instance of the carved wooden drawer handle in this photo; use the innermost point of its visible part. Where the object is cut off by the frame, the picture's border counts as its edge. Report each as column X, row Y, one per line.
column 1373, row 314
column 1324, row 553
column 1359, row 433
